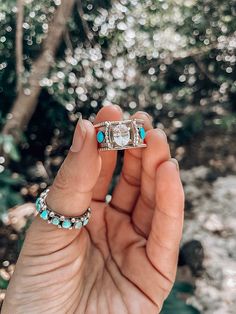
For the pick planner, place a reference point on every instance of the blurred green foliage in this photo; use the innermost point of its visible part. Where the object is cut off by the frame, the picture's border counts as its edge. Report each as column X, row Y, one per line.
column 9, row 147
column 9, row 190
column 170, row 57
column 176, row 304
column 3, row 283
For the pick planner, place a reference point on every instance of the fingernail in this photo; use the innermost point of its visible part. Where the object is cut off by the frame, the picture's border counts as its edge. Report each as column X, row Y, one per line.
column 146, row 114
column 175, row 162
column 118, row 107
column 162, row 134
column 79, row 136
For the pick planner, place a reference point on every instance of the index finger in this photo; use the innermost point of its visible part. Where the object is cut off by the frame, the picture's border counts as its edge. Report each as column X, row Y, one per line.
column 127, row 189
column 111, row 113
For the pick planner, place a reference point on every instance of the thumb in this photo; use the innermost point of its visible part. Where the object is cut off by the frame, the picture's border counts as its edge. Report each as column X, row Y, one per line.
column 69, row 195
column 71, row 191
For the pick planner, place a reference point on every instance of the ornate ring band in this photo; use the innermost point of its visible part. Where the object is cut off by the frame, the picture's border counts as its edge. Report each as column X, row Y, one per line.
column 58, row 220
column 116, row 135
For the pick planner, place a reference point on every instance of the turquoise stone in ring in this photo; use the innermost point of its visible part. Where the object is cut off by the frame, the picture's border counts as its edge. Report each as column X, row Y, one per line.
column 86, row 220
column 44, row 214
column 78, row 225
column 66, row 224
column 55, row 221
column 38, row 204
column 100, row 136
column 142, row 133
column 58, row 220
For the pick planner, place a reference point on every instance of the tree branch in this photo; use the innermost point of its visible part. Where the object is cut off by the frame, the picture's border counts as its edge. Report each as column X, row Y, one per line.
column 19, row 44
column 26, row 103
column 88, row 33
column 205, row 71
column 181, row 55
column 67, row 40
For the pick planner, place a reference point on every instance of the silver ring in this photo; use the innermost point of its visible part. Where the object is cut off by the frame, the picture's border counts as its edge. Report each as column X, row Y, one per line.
column 59, row 220
column 124, row 134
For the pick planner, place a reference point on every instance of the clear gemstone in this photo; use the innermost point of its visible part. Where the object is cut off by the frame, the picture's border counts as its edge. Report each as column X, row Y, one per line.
column 121, row 135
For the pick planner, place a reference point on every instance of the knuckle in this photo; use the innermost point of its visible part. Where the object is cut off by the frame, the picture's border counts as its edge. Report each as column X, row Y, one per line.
column 130, row 179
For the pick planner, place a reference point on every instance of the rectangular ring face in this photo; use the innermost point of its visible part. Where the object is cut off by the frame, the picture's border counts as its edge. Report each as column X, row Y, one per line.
column 116, row 135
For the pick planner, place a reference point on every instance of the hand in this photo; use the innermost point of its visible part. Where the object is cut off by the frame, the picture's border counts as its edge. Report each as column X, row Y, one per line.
column 124, row 260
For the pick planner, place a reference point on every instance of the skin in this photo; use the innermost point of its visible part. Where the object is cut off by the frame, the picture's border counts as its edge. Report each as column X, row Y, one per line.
column 125, row 259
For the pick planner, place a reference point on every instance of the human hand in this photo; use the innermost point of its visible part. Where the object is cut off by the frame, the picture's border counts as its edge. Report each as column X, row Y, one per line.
column 125, row 259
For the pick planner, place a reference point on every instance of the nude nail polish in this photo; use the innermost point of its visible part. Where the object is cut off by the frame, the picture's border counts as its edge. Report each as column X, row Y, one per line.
column 146, row 114
column 162, row 133
column 79, row 136
column 175, row 162
column 118, row 107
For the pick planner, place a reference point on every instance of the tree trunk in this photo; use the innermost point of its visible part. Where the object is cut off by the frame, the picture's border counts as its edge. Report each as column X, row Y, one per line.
column 26, row 101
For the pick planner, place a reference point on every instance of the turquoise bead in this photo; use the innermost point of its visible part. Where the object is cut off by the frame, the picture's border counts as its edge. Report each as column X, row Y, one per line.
column 55, row 221
column 78, row 225
column 44, row 214
column 66, row 224
column 142, row 133
column 85, row 221
column 38, row 204
column 100, row 136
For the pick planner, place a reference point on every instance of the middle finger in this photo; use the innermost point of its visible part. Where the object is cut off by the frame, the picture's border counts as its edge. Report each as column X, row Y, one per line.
column 157, row 151
column 128, row 187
